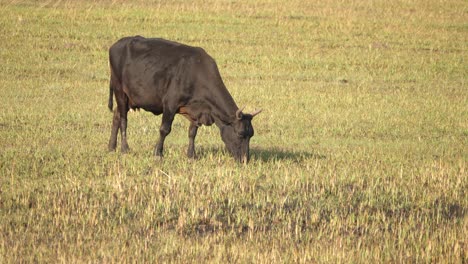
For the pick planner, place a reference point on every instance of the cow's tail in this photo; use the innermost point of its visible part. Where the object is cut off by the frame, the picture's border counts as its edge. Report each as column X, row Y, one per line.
column 111, row 96
column 110, row 104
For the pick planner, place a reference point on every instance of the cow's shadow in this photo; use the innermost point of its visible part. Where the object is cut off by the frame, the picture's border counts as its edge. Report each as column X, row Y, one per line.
column 274, row 154
column 265, row 154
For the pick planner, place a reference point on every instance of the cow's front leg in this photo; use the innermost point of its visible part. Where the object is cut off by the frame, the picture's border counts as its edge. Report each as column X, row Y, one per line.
column 192, row 134
column 164, row 130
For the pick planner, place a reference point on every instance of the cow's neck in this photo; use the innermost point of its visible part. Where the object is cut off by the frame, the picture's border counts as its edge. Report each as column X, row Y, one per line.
column 223, row 107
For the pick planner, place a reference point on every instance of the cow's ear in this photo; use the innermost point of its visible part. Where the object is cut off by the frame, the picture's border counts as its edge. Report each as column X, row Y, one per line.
column 239, row 113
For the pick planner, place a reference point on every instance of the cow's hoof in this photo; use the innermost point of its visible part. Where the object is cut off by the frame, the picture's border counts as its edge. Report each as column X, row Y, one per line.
column 125, row 150
column 158, row 158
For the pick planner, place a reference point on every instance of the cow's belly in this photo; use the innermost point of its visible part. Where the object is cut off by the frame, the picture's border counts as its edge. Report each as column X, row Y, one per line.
column 145, row 94
column 148, row 102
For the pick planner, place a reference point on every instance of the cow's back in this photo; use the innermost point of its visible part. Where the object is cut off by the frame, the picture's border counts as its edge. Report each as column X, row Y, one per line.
column 149, row 69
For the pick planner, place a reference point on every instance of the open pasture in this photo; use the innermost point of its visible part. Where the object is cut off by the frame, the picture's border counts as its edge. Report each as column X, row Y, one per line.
column 359, row 155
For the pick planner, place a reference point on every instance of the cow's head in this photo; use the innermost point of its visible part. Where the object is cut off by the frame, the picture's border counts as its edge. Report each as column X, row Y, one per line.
column 236, row 136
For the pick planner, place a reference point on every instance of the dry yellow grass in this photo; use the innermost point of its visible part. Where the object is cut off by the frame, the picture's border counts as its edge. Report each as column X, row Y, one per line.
column 359, row 156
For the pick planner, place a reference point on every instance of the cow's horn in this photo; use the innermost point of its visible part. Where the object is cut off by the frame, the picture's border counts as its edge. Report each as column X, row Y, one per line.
column 239, row 113
column 256, row 112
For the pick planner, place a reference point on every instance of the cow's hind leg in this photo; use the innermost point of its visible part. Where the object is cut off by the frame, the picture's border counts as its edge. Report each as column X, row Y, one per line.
column 192, row 134
column 115, row 130
column 122, row 108
column 123, row 130
column 164, row 130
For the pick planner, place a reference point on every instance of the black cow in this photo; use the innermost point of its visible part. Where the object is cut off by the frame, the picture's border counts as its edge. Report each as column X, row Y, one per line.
column 166, row 77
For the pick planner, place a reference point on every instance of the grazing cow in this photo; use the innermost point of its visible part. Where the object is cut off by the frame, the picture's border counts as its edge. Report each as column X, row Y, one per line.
column 169, row 78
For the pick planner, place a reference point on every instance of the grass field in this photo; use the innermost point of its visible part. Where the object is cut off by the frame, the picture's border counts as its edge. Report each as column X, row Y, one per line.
column 359, row 155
